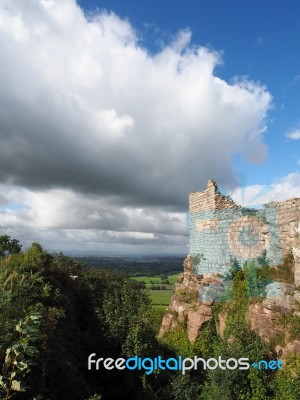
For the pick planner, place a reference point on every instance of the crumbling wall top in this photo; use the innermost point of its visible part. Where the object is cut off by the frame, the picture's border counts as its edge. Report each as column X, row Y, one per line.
column 210, row 199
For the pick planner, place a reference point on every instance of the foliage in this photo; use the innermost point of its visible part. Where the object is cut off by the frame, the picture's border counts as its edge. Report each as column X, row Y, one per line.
column 9, row 246
column 150, row 267
column 19, row 357
column 205, row 343
column 157, row 314
column 292, row 322
column 263, row 260
column 177, row 340
column 248, row 283
column 187, row 296
column 185, row 387
column 238, row 342
column 65, row 311
column 82, row 311
column 287, row 382
column 256, row 282
column 196, row 260
column 281, row 273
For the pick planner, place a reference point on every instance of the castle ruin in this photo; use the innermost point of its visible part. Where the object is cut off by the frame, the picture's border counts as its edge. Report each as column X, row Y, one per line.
column 221, row 231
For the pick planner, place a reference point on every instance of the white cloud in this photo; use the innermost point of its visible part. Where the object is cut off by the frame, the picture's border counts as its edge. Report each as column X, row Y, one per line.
column 98, row 134
column 255, row 195
column 294, row 135
column 83, row 220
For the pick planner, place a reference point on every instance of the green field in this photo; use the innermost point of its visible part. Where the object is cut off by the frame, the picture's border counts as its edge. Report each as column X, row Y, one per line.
column 157, row 280
column 160, row 297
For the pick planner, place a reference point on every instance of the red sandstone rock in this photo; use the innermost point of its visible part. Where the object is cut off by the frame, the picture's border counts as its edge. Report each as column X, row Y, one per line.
column 197, row 320
column 221, row 324
column 262, row 317
column 263, row 322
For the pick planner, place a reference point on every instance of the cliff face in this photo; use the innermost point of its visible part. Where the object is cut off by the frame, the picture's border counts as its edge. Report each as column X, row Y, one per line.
column 281, row 299
column 185, row 305
column 221, row 231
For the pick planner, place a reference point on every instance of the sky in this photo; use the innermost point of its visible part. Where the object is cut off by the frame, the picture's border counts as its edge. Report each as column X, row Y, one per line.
column 112, row 111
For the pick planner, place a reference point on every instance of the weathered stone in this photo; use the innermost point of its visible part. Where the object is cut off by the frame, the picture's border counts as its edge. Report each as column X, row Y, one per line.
column 197, row 320
column 263, row 321
column 297, row 297
column 221, row 324
column 211, row 293
column 187, row 287
column 180, row 307
column 289, row 348
column 220, row 230
column 168, row 323
column 296, row 254
column 279, row 297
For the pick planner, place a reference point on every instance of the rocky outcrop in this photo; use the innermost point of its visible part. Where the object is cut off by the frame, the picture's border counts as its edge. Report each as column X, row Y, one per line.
column 265, row 321
column 188, row 281
column 196, row 321
column 221, row 230
column 280, row 297
column 221, row 324
column 168, row 323
column 185, row 306
column 195, row 295
column 292, row 347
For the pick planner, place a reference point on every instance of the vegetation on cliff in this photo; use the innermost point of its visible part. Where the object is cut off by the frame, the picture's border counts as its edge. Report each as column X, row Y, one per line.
column 55, row 312
column 238, row 340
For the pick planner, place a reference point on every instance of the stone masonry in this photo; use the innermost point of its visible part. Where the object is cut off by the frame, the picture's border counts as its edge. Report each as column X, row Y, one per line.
column 220, row 231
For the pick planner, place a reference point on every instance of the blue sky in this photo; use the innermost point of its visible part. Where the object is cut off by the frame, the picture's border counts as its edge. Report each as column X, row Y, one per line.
column 111, row 112
column 259, row 39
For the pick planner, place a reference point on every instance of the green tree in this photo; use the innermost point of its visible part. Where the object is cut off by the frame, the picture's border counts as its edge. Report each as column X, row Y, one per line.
column 9, row 246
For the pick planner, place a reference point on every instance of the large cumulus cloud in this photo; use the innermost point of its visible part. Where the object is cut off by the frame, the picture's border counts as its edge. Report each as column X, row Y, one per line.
column 86, row 112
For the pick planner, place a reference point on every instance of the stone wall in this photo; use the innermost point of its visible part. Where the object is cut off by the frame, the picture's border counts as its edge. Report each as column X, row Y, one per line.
column 296, row 254
column 210, row 199
column 220, row 231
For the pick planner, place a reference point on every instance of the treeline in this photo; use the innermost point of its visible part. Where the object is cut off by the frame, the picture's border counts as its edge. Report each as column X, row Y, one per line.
column 136, row 266
column 55, row 312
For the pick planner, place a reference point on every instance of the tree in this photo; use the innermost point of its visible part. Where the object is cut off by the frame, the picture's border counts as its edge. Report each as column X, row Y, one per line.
column 9, row 246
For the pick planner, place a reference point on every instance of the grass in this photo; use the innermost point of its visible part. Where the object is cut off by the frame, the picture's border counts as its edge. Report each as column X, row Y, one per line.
column 161, row 297
column 173, row 279
column 157, row 280
column 160, row 309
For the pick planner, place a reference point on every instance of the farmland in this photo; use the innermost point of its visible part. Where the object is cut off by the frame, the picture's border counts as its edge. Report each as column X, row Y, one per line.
column 161, row 288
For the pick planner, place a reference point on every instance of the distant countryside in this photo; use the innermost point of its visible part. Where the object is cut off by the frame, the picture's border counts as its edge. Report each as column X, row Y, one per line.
column 161, row 288
column 158, row 274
